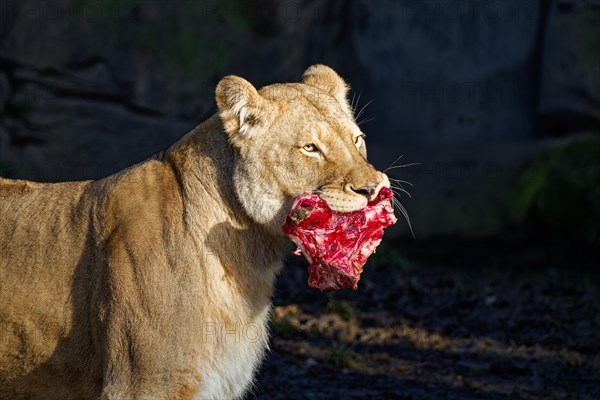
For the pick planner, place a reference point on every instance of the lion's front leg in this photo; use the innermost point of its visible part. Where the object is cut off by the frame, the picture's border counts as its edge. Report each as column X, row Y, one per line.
column 124, row 391
column 129, row 382
column 145, row 360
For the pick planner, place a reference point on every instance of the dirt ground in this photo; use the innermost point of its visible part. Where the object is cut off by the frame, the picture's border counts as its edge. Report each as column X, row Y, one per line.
column 441, row 321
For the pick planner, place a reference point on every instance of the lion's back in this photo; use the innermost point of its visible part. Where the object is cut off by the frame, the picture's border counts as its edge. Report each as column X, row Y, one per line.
column 34, row 216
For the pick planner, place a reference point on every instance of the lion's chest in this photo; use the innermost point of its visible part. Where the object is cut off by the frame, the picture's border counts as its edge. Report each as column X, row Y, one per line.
column 235, row 352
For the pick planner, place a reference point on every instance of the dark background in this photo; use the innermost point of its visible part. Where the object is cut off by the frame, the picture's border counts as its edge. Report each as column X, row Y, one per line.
column 499, row 102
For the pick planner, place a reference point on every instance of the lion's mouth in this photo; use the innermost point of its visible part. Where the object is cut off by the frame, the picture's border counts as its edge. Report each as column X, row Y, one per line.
column 337, row 244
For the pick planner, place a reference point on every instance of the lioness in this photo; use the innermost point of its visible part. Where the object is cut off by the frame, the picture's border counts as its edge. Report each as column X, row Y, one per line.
column 156, row 282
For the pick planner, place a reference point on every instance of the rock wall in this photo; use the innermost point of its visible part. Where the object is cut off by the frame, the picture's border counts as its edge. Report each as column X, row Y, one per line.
column 88, row 87
column 570, row 89
column 451, row 71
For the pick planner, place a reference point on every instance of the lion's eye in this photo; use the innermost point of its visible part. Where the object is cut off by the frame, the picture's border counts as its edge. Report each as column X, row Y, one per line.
column 358, row 140
column 311, row 148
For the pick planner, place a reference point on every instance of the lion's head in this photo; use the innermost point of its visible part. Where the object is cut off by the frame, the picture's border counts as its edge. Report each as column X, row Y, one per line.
column 296, row 138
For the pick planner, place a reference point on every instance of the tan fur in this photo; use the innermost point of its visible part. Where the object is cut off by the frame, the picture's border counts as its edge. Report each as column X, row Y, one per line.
column 156, row 282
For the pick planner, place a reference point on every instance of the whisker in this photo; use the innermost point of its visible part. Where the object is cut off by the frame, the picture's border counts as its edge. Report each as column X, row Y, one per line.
column 404, row 166
column 396, row 204
column 401, row 181
column 400, row 189
column 354, row 104
column 363, row 109
column 405, row 214
column 395, row 161
column 397, row 184
column 365, row 121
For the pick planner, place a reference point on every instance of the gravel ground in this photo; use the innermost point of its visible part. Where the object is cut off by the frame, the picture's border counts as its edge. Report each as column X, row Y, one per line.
column 449, row 321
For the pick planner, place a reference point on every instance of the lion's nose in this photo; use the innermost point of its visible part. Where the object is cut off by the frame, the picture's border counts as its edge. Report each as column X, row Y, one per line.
column 367, row 190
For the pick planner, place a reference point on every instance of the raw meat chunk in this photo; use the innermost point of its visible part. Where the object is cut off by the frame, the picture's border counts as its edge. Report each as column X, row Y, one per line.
column 335, row 244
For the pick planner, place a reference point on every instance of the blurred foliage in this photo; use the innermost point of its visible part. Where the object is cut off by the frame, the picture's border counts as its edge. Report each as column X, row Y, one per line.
column 195, row 50
column 555, row 194
column 341, row 307
column 199, row 60
column 342, row 356
column 7, row 170
column 560, row 190
column 284, row 326
column 590, row 29
column 387, row 254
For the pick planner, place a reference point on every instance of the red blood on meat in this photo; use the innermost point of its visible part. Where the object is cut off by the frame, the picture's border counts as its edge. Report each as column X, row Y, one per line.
column 336, row 244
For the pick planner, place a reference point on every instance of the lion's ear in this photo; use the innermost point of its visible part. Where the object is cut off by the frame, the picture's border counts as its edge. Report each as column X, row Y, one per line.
column 242, row 109
column 325, row 78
